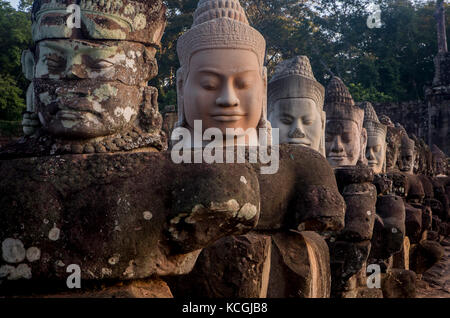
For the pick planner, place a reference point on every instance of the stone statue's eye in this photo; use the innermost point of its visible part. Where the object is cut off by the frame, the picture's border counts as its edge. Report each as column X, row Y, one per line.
column 307, row 121
column 53, row 61
column 209, row 82
column 242, row 83
column 101, row 64
column 209, row 85
column 286, row 120
column 346, row 138
column 377, row 148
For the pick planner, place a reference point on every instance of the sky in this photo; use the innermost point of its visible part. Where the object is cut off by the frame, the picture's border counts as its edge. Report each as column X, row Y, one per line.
column 14, row 3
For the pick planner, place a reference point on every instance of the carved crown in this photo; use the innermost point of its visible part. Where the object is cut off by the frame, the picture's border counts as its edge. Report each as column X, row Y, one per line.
column 135, row 20
column 371, row 122
column 294, row 78
column 339, row 104
column 220, row 24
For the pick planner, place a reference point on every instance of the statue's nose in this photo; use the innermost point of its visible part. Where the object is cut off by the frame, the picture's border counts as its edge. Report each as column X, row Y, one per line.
column 297, row 133
column 228, row 97
column 74, row 68
column 337, row 145
column 370, row 154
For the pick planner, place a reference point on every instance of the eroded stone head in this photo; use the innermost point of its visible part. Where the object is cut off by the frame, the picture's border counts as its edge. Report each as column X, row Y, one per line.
column 295, row 104
column 407, row 153
column 345, row 136
column 89, row 82
column 439, row 161
column 222, row 80
column 376, row 140
column 393, row 143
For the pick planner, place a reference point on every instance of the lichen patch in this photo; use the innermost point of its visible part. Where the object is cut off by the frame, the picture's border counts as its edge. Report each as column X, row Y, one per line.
column 33, row 254
column 54, row 234
column 13, row 251
column 248, row 211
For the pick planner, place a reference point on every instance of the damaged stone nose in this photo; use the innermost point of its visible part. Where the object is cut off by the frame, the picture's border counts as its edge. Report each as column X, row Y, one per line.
column 297, row 134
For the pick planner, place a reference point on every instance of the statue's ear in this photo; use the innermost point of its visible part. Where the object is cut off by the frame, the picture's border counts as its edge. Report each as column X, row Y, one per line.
column 363, row 144
column 180, row 97
column 264, row 114
column 28, row 64
column 323, row 116
column 264, row 76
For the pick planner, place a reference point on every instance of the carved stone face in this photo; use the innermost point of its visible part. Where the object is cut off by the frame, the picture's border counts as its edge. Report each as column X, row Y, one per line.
column 224, row 88
column 407, row 160
column 299, row 122
column 343, row 142
column 376, row 152
column 89, row 89
column 391, row 157
column 392, row 153
column 439, row 165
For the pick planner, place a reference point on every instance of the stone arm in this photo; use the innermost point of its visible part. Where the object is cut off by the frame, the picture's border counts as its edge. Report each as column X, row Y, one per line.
column 302, row 195
column 118, row 217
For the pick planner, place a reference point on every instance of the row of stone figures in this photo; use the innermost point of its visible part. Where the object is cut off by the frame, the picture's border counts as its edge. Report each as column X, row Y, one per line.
column 92, row 190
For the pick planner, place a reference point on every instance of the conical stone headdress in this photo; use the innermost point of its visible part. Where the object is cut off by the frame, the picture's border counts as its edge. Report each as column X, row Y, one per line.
column 140, row 21
column 407, row 143
column 340, row 105
column 371, row 122
column 294, row 78
column 438, row 153
column 220, row 24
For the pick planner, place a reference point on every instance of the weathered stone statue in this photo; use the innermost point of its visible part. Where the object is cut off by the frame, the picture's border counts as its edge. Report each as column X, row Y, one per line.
column 222, row 80
column 346, row 141
column 120, row 221
column 439, row 161
column 89, row 83
column 389, row 228
column 295, row 103
column 376, row 140
column 393, row 140
column 284, row 256
column 345, row 136
column 407, row 154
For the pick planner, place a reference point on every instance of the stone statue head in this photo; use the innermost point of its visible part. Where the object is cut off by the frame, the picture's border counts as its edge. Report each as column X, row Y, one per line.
column 376, row 139
column 295, row 104
column 90, row 81
column 393, row 140
column 407, row 153
column 222, row 80
column 345, row 136
column 424, row 158
column 439, row 161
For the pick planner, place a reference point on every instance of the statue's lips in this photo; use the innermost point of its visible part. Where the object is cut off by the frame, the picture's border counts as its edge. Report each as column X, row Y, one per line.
column 226, row 118
column 69, row 115
column 337, row 158
column 299, row 143
column 75, row 108
column 372, row 163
